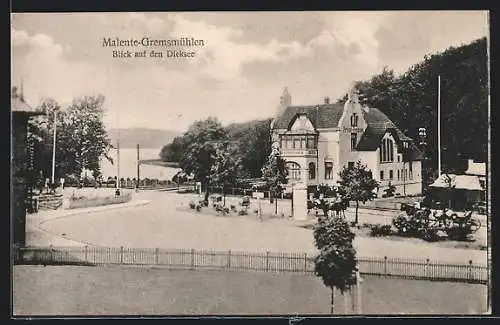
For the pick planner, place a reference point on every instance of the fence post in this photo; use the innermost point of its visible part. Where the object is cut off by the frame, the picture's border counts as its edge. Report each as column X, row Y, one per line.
column 229, row 259
column 267, row 261
column 426, row 268
column 385, row 265
column 305, row 263
column 470, row 271
column 121, row 255
column 86, row 253
column 157, row 255
column 51, row 255
column 192, row 258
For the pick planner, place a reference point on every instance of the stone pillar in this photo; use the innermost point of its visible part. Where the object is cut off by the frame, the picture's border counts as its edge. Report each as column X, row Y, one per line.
column 300, row 201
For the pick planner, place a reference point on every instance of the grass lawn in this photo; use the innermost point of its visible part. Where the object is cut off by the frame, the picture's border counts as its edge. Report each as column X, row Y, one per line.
column 79, row 290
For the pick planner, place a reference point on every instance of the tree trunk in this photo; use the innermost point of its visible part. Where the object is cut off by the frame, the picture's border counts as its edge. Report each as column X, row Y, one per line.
column 332, row 299
column 224, row 195
column 356, row 214
column 275, row 197
column 207, row 193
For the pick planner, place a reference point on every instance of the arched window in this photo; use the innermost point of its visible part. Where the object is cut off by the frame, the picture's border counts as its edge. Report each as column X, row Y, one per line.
column 386, row 150
column 354, row 120
column 312, row 171
column 293, row 170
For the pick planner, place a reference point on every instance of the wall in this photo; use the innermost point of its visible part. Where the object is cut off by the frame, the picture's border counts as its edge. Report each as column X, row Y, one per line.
column 345, row 153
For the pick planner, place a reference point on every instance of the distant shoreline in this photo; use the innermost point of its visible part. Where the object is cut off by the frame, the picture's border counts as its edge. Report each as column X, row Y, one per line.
column 159, row 162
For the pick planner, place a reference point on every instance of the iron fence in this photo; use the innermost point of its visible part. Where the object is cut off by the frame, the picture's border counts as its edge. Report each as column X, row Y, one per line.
column 244, row 261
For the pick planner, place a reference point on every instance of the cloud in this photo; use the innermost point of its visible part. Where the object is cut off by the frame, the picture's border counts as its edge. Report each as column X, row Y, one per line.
column 240, row 72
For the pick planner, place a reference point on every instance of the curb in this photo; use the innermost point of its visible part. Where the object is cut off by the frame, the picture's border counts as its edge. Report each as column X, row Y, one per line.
column 37, row 225
column 98, row 209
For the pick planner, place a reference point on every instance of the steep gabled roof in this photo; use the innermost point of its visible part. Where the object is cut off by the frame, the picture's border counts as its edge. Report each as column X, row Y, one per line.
column 328, row 116
column 321, row 116
column 19, row 105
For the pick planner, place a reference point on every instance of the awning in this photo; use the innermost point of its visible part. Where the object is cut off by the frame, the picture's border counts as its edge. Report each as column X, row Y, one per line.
column 464, row 182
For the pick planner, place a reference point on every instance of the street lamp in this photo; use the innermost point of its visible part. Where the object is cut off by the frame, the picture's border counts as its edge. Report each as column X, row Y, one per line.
column 422, row 134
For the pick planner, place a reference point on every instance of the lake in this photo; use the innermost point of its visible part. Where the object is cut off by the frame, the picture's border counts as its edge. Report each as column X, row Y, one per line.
column 128, row 165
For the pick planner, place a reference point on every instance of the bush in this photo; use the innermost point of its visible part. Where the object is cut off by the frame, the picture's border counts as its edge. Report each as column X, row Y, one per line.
column 256, row 211
column 198, row 208
column 233, row 208
column 243, row 212
column 380, row 230
column 192, row 205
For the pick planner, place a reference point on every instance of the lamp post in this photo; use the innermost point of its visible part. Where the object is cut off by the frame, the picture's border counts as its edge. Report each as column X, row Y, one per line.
column 422, row 134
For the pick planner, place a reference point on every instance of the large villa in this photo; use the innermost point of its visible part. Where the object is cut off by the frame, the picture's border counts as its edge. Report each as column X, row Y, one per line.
column 317, row 141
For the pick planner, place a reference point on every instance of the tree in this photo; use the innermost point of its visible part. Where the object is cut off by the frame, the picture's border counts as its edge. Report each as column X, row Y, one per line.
column 275, row 174
column 226, row 166
column 173, row 151
column 81, row 138
column 358, row 184
column 201, row 143
column 411, row 102
column 336, row 261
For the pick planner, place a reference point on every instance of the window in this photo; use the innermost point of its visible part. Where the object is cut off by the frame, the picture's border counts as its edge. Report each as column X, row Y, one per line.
column 399, row 158
column 312, row 171
column 296, row 143
column 398, row 174
column 328, row 170
column 293, row 171
column 411, row 174
column 354, row 120
column 387, row 151
column 391, row 175
column 350, row 164
column 311, row 142
column 381, row 175
column 302, row 143
column 354, row 140
column 289, row 143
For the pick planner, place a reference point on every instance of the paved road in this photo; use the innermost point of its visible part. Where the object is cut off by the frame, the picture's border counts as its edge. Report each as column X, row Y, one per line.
column 168, row 223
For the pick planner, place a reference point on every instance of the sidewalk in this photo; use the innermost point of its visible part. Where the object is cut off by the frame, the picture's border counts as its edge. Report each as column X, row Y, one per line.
column 37, row 236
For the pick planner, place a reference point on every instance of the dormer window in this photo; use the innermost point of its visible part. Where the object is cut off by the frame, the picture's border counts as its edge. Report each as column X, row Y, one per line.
column 354, row 120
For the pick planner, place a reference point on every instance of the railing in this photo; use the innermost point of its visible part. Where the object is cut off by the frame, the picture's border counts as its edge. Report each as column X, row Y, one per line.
column 299, row 152
column 244, row 261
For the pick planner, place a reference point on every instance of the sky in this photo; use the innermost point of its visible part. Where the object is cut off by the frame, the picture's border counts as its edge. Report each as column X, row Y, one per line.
column 240, row 72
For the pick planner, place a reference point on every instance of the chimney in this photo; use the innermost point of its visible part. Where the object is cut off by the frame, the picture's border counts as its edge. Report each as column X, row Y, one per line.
column 327, row 100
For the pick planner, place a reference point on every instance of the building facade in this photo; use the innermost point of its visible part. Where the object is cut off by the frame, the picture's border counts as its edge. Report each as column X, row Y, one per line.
column 20, row 164
column 317, row 141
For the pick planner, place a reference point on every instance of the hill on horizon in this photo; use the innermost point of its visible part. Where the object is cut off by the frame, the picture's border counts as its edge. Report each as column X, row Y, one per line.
column 145, row 137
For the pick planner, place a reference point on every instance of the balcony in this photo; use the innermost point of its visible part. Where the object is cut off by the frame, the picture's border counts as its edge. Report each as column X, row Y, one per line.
column 299, row 152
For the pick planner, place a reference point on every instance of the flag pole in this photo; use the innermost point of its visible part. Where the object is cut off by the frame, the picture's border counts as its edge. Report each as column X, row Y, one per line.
column 439, row 125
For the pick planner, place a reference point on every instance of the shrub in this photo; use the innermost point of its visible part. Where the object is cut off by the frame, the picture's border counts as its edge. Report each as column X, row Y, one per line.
column 242, row 212
column 192, row 205
column 233, row 207
column 225, row 210
column 380, row 230
column 198, row 208
column 256, row 211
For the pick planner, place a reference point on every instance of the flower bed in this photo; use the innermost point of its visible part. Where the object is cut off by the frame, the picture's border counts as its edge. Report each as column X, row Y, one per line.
column 77, row 202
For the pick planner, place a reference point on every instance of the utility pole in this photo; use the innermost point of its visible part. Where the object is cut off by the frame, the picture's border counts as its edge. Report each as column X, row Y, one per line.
column 54, row 148
column 118, row 151
column 439, row 125
column 138, row 167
